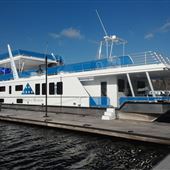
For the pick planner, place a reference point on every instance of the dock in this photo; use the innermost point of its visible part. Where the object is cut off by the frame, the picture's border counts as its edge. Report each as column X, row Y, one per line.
column 164, row 164
column 154, row 132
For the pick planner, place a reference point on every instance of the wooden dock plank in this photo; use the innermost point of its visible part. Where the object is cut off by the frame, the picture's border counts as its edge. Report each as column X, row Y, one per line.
column 135, row 130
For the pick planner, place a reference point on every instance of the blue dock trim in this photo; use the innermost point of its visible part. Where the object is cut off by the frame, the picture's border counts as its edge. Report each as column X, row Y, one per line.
column 102, row 102
column 143, row 99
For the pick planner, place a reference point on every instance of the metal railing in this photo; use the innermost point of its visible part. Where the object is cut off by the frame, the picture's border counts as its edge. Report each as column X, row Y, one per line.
column 149, row 57
column 136, row 59
column 122, row 100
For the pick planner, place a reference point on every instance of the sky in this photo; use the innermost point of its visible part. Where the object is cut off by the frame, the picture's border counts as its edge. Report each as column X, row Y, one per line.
column 71, row 28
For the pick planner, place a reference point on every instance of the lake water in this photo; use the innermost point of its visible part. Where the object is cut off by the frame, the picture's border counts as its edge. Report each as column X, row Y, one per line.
column 34, row 147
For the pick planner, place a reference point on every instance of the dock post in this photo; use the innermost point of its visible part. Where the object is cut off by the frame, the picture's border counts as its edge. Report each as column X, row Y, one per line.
column 46, row 83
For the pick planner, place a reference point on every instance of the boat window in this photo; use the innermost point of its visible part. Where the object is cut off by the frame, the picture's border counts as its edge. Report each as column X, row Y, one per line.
column 19, row 100
column 43, row 88
column 103, row 88
column 60, row 88
column 10, row 89
column 121, row 85
column 37, row 89
column 18, row 87
column 1, row 100
column 140, row 84
column 51, row 88
column 2, row 88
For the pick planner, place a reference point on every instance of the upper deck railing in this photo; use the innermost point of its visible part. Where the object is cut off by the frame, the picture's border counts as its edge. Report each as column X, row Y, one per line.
column 136, row 59
column 149, row 57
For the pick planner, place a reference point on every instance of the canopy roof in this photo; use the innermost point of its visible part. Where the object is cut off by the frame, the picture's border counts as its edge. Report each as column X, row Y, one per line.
column 25, row 60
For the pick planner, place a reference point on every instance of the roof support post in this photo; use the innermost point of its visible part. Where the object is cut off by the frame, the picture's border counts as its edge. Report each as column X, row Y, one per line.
column 150, row 84
column 13, row 66
column 130, row 84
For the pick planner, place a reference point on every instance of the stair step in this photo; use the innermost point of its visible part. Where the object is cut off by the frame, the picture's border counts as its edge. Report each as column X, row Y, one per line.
column 104, row 117
column 109, row 114
column 112, row 110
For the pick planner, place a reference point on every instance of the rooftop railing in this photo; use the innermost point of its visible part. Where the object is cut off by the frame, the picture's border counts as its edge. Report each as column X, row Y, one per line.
column 149, row 57
column 136, row 59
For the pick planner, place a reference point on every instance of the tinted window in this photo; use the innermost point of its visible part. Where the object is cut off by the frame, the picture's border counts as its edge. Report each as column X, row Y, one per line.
column 121, row 85
column 18, row 87
column 37, row 89
column 103, row 88
column 1, row 100
column 2, row 88
column 140, row 84
column 43, row 88
column 60, row 88
column 10, row 89
column 51, row 88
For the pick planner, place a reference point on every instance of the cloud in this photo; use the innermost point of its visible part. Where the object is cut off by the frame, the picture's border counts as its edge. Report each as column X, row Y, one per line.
column 54, row 35
column 165, row 27
column 149, row 36
column 70, row 33
column 162, row 29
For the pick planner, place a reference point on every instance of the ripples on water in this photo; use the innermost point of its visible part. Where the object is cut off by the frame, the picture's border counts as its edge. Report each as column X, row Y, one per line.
column 31, row 147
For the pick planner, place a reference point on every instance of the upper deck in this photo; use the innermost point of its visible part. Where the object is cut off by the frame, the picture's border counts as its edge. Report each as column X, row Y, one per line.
column 137, row 59
column 25, row 60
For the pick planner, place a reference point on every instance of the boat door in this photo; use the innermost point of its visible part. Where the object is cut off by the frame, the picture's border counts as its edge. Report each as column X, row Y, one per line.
column 103, row 93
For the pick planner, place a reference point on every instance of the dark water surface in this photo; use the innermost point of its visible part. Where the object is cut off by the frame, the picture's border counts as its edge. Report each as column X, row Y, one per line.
column 33, row 147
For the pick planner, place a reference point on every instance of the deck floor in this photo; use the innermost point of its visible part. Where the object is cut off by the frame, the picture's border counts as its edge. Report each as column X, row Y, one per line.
column 136, row 130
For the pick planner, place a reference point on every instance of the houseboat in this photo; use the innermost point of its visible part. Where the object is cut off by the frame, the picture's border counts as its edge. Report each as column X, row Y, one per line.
column 109, row 81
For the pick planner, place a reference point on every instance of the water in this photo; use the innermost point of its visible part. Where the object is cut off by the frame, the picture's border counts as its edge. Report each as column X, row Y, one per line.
column 33, row 147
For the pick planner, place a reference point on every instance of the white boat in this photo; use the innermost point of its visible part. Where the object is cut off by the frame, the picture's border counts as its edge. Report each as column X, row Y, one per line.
column 109, row 81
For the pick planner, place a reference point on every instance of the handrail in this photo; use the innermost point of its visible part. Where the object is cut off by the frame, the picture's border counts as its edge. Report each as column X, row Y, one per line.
column 135, row 59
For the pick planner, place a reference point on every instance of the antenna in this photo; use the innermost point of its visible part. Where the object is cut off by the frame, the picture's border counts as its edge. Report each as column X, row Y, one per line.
column 101, row 23
column 106, row 35
column 110, row 41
